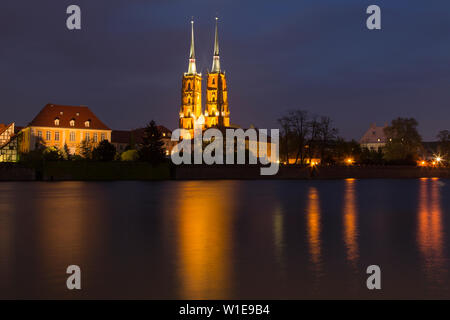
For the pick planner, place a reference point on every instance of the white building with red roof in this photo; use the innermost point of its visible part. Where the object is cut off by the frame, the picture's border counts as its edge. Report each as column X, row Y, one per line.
column 374, row 139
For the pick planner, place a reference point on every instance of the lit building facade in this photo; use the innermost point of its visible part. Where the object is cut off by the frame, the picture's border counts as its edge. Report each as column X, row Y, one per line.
column 216, row 112
column 374, row 139
column 8, row 143
column 191, row 91
column 59, row 125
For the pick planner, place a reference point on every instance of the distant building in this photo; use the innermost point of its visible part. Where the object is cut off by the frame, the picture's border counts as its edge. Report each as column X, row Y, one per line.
column 374, row 139
column 122, row 139
column 59, row 125
column 8, row 143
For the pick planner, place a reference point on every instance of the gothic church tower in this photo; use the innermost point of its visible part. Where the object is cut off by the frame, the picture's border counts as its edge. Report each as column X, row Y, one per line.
column 191, row 91
column 217, row 112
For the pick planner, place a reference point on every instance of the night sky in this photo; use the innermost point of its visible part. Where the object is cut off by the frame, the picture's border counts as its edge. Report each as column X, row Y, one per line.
column 127, row 61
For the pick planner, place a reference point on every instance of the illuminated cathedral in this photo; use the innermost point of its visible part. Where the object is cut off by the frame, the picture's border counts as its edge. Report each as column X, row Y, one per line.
column 216, row 113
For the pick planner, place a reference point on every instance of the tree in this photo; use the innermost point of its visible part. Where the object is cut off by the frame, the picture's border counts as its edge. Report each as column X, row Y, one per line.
column 444, row 143
column 52, row 154
column 85, row 149
column 342, row 150
column 152, row 145
column 404, row 141
column 66, row 151
column 327, row 134
column 314, row 137
column 129, row 155
column 300, row 127
column 285, row 124
column 105, row 151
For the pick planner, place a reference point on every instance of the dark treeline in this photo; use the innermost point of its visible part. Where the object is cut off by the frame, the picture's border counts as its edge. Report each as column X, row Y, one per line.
column 150, row 150
column 305, row 137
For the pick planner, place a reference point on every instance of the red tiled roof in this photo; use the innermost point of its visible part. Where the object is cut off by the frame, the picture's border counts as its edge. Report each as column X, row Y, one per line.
column 46, row 117
column 4, row 127
column 373, row 134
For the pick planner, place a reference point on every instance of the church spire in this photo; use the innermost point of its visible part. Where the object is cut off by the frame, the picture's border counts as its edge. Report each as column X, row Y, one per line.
column 216, row 60
column 192, row 68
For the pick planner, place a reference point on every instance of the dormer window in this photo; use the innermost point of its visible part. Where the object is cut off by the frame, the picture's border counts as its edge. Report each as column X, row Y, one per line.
column 87, row 123
column 72, row 123
column 56, row 121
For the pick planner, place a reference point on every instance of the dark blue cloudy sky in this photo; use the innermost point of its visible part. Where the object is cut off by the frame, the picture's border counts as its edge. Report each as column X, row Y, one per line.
column 127, row 61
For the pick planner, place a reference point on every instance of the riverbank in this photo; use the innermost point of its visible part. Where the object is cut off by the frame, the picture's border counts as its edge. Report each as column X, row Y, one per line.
column 111, row 171
column 84, row 171
column 193, row 172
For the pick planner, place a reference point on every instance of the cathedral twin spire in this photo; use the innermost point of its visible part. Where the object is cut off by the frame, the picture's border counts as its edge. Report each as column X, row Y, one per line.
column 192, row 69
column 216, row 59
column 217, row 113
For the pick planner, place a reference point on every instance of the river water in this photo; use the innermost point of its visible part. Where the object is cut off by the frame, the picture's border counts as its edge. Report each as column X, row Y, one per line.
column 225, row 239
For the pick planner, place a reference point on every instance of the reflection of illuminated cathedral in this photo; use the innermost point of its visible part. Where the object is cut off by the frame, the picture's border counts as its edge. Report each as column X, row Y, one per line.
column 216, row 113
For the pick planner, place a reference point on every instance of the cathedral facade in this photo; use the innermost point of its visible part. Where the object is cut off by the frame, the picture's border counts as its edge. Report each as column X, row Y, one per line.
column 216, row 113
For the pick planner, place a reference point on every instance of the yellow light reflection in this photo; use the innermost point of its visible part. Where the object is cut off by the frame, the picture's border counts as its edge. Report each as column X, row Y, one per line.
column 68, row 228
column 351, row 222
column 204, row 220
column 278, row 230
column 313, row 225
column 430, row 232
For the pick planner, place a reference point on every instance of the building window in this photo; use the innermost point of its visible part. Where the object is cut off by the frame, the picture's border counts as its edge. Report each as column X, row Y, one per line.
column 95, row 137
column 57, row 122
column 57, row 136
column 87, row 124
column 102, row 137
column 87, row 136
column 72, row 123
column 72, row 136
column 39, row 134
column 48, row 135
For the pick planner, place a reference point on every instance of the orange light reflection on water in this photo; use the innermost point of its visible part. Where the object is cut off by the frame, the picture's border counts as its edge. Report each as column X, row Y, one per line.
column 430, row 231
column 204, row 239
column 314, row 227
column 351, row 222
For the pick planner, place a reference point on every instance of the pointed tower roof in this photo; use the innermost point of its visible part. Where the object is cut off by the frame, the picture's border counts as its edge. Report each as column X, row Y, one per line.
column 216, row 59
column 192, row 68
